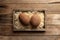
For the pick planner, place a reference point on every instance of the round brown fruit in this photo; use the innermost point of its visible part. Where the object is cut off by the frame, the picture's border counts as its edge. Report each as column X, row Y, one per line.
column 35, row 20
column 24, row 19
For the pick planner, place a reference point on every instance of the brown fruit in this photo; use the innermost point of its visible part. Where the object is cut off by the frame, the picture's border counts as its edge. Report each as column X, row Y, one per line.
column 35, row 20
column 24, row 19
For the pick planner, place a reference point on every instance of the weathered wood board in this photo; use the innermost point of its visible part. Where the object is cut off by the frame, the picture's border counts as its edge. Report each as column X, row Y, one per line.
column 52, row 21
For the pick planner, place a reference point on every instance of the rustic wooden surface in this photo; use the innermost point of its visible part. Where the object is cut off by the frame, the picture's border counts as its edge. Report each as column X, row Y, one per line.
column 52, row 25
column 28, row 38
column 28, row 1
column 24, row 1
column 52, row 21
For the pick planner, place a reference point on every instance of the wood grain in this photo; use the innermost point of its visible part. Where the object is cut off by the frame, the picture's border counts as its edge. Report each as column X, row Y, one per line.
column 24, row 1
column 52, row 10
column 28, row 37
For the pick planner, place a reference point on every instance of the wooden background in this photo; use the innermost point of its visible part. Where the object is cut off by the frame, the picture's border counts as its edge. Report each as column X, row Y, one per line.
column 52, row 22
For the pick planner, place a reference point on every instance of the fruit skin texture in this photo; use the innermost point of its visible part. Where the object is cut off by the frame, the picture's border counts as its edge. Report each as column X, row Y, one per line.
column 24, row 19
column 35, row 20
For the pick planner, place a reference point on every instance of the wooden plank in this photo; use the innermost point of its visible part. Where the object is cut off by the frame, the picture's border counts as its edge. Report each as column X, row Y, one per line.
column 58, row 38
column 51, row 29
column 54, row 7
column 24, row 1
column 31, row 7
column 9, row 8
column 53, row 18
column 28, row 37
column 47, row 7
column 28, row 1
